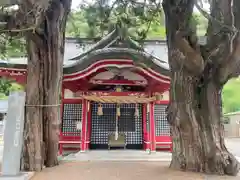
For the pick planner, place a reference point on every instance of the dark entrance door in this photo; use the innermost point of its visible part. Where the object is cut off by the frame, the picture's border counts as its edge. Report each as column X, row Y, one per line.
column 128, row 123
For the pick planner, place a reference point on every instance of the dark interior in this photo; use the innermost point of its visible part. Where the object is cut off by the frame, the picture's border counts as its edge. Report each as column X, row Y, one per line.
column 127, row 123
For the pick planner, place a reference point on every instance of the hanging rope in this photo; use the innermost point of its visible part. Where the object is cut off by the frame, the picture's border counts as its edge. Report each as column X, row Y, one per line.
column 42, row 105
column 120, row 99
column 116, row 128
column 136, row 111
column 118, row 110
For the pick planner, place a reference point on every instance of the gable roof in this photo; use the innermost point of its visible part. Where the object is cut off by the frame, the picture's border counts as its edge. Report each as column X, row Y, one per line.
column 77, row 46
column 140, row 58
column 125, row 42
column 118, row 45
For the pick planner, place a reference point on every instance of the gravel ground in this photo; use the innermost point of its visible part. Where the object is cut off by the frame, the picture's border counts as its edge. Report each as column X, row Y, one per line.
column 120, row 171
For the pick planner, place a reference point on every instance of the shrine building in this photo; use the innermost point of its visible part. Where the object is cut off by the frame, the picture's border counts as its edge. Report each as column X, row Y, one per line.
column 114, row 93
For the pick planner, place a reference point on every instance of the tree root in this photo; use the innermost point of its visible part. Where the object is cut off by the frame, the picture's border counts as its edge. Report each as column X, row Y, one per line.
column 219, row 164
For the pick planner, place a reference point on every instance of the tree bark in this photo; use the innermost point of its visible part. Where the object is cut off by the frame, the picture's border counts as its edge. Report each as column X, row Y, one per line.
column 194, row 112
column 198, row 135
column 32, row 159
column 45, row 63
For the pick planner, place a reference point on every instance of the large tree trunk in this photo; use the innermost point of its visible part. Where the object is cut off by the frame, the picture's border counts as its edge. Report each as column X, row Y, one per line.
column 194, row 112
column 32, row 159
column 44, row 79
column 198, row 138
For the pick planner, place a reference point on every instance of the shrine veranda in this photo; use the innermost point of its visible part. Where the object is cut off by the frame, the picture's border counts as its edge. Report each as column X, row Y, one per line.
column 107, row 91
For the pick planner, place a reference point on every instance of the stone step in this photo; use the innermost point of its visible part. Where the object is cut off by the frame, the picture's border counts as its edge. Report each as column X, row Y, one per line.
column 118, row 156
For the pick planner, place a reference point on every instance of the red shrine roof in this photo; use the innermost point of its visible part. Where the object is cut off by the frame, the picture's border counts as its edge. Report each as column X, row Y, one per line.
column 112, row 53
column 109, row 60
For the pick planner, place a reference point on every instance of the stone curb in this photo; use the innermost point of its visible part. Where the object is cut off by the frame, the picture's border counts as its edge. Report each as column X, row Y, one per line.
column 120, row 160
column 21, row 176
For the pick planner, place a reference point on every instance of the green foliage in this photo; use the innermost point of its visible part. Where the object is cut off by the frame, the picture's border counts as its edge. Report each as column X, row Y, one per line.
column 231, row 96
column 3, row 96
column 77, row 25
column 99, row 18
column 201, row 23
column 7, row 86
column 142, row 20
column 11, row 47
column 15, row 87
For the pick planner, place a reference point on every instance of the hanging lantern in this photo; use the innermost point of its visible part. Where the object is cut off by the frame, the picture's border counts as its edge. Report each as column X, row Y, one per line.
column 100, row 110
column 118, row 110
column 136, row 111
column 158, row 96
column 118, row 89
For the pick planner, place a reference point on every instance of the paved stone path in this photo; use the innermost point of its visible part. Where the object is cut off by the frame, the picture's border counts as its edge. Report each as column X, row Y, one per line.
column 120, row 171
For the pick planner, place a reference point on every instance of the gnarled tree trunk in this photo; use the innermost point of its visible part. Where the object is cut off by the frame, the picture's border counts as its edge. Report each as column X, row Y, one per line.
column 194, row 112
column 45, row 63
column 198, row 141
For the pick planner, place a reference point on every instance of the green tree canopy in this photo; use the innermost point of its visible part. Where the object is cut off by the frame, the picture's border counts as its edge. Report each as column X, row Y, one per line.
column 97, row 19
column 94, row 20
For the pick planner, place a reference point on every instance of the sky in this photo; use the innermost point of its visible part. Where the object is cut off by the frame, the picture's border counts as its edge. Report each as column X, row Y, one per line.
column 75, row 3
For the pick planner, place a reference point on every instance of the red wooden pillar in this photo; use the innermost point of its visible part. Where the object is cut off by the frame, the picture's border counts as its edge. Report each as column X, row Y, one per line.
column 84, row 126
column 152, row 128
column 145, row 128
column 62, row 103
column 89, row 115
